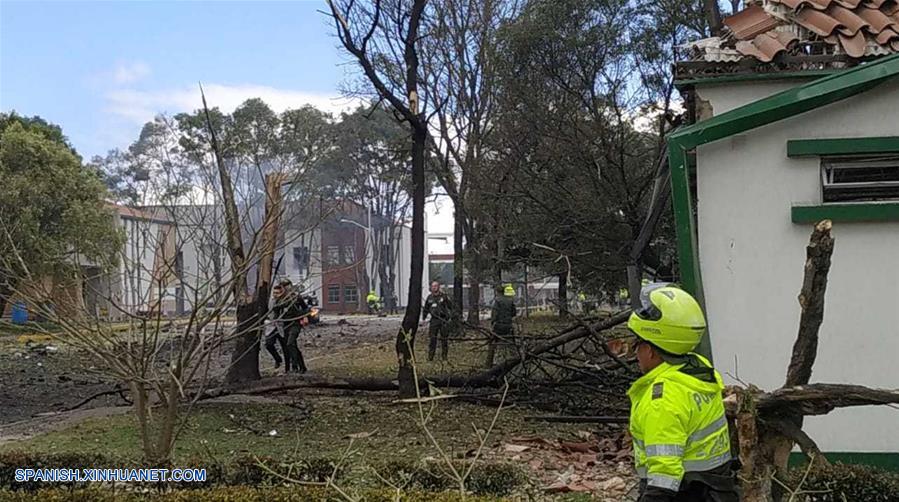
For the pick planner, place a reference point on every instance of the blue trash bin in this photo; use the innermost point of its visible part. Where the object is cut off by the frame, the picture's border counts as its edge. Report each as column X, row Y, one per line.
column 19, row 313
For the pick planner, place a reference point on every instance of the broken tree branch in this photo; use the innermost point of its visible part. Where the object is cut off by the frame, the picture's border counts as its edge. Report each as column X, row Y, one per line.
column 822, row 398
column 811, row 299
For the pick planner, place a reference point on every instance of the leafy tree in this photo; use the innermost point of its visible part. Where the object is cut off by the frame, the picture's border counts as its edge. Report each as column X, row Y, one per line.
column 385, row 40
column 370, row 165
column 53, row 213
column 575, row 167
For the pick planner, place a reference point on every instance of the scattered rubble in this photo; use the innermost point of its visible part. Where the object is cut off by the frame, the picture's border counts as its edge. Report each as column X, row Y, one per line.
column 600, row 465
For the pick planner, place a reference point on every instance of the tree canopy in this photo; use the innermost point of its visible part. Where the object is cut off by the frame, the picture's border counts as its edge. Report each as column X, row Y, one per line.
column 53, row 210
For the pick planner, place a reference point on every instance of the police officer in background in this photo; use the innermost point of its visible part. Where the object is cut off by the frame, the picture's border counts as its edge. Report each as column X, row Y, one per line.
column 290, row 311
column 680, row 433
column 502, row 316
column 439, row 306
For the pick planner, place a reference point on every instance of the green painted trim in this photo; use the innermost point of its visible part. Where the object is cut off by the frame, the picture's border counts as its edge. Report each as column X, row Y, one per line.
column 873, row 211
column 842, row 146
column 679, row 161
column 883, row 460
column 755, row 77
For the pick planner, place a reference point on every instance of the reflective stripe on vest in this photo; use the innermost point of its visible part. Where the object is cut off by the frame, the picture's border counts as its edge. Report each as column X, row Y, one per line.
column 662, row 481
column 708, row 430
column 706, row 464
column 664, row 450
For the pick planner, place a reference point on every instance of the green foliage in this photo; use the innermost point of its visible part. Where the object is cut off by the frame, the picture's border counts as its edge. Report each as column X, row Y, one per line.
column 841, row 482
column 231, row 494
column 50, row 132
column 578, row 129
column 52, row 206
column 243, row 471
column 498, row 479
column 10, row 461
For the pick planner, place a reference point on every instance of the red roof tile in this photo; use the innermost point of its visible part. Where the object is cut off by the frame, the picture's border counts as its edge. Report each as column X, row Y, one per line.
column 750, row 22
column 857, row 28
column 766, row 46
column 876, row 19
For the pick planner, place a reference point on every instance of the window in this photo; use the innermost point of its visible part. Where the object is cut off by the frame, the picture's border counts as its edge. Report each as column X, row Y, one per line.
column 301, row 260
column 350, row 294
column 860, row 179
column 334, row 255
column 349, row 255
column 333, row 293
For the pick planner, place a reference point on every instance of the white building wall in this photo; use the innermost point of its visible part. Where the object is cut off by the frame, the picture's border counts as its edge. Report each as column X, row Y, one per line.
column 138, row 258
column 752, row 258
column 404, row 266
column 308, row 279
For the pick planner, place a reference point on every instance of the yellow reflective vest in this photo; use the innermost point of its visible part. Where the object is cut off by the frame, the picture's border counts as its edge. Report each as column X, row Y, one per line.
column 678, row 423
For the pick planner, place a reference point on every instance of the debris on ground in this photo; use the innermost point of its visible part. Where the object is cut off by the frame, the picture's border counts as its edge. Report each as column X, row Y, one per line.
column 600, row 465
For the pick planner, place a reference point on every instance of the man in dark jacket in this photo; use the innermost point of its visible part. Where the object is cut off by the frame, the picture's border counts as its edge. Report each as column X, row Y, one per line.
column 501, row 316
column 290, row 312
column 439, row 306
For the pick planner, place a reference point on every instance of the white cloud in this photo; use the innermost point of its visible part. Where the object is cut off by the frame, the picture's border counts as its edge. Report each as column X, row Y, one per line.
column 128, row 73
column 140, row 106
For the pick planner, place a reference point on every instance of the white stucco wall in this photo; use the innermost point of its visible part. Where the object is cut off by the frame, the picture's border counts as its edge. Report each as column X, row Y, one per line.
column 752, row 255
column 404, row 265
column 137, row 264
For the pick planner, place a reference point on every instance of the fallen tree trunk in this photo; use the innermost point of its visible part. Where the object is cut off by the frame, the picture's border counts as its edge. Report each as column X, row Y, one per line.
column 488, row 378
column 822, row 398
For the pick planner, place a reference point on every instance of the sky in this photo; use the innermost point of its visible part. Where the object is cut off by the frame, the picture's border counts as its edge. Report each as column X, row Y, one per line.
column 102, row 69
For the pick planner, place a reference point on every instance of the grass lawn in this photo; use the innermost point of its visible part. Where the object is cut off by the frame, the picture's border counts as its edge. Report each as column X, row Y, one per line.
column 322, row 431
column 310, row 424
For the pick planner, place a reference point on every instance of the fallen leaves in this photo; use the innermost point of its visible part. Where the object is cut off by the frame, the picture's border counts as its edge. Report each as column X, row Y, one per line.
column 600, row 465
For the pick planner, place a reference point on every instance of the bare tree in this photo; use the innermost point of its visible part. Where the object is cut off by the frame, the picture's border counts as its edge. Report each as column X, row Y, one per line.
column 461, row 70
column 383, row 37
column 371, row 159
column 263, row 160
column 158, row 273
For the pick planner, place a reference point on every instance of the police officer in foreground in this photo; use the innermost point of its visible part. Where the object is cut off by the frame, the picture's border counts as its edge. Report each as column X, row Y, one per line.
column 680, row 433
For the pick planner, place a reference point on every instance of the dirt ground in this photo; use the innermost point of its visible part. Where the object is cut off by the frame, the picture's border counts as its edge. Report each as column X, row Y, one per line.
column 40, row 377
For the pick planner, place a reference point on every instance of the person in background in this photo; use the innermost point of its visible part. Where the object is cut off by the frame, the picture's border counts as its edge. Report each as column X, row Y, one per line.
column 439, row 306
column 374, row 302
column 501, row 317
column 290, row 311
column 679, row 429
column 274, row 333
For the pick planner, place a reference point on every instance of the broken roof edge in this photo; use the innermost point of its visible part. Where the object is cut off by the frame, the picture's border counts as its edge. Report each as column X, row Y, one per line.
column 727, row 78
column 793, row 101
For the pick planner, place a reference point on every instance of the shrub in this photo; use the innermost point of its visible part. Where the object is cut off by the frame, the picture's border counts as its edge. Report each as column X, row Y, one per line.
column 839, row 482
column 12, row 460
column 225, row 494
column 486, row 479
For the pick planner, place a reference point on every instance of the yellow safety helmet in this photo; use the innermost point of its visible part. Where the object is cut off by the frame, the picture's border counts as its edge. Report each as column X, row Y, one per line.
column 509, row 290
column 669, row 318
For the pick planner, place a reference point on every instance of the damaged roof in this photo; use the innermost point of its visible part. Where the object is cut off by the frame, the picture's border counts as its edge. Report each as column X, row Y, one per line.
column 833, row 31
